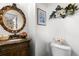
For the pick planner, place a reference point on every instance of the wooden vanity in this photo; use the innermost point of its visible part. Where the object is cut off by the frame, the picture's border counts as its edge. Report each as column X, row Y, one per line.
column 16, row 47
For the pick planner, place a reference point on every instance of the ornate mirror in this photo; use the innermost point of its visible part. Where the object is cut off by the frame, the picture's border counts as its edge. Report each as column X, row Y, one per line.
column 13, row 19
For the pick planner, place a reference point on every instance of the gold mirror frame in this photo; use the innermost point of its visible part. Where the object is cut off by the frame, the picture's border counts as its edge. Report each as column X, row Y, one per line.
column 7, row 8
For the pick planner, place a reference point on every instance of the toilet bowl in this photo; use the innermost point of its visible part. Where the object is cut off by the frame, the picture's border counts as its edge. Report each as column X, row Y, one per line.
column 60, row 50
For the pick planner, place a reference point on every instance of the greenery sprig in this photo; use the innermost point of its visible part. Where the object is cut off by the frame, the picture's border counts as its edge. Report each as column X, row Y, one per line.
column 63, row 12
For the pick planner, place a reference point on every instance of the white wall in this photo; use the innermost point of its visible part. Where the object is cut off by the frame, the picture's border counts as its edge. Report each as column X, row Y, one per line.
column 42, row 35
column 31, row 22
column 67, row 27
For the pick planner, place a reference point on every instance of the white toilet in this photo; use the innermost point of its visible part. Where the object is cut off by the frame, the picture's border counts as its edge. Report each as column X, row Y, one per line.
column 60, row 50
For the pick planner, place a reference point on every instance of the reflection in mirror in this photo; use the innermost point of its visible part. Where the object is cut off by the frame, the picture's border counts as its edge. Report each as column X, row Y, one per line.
column 13, row 20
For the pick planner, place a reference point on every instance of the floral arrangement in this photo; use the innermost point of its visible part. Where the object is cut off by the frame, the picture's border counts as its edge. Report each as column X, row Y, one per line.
column 63, row 12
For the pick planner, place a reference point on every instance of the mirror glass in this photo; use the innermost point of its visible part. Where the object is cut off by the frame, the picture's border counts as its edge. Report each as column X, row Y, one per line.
column 13, row 20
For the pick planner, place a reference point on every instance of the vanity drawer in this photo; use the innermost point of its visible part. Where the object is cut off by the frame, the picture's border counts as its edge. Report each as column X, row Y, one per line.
column 17, row 49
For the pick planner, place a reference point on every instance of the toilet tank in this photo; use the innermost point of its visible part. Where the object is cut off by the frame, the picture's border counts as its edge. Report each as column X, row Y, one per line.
column 60, row 50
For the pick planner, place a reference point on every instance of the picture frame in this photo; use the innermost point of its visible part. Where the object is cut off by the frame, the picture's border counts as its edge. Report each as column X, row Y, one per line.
column 41, row 17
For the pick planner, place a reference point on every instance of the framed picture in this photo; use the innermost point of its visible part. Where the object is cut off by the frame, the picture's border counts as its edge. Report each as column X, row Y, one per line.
column 41, row 17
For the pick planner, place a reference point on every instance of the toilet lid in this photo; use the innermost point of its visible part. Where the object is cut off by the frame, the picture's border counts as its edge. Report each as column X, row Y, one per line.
column 61, row 46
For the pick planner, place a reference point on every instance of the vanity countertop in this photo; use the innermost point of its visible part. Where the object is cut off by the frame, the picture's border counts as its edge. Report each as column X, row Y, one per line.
column 13, row 41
